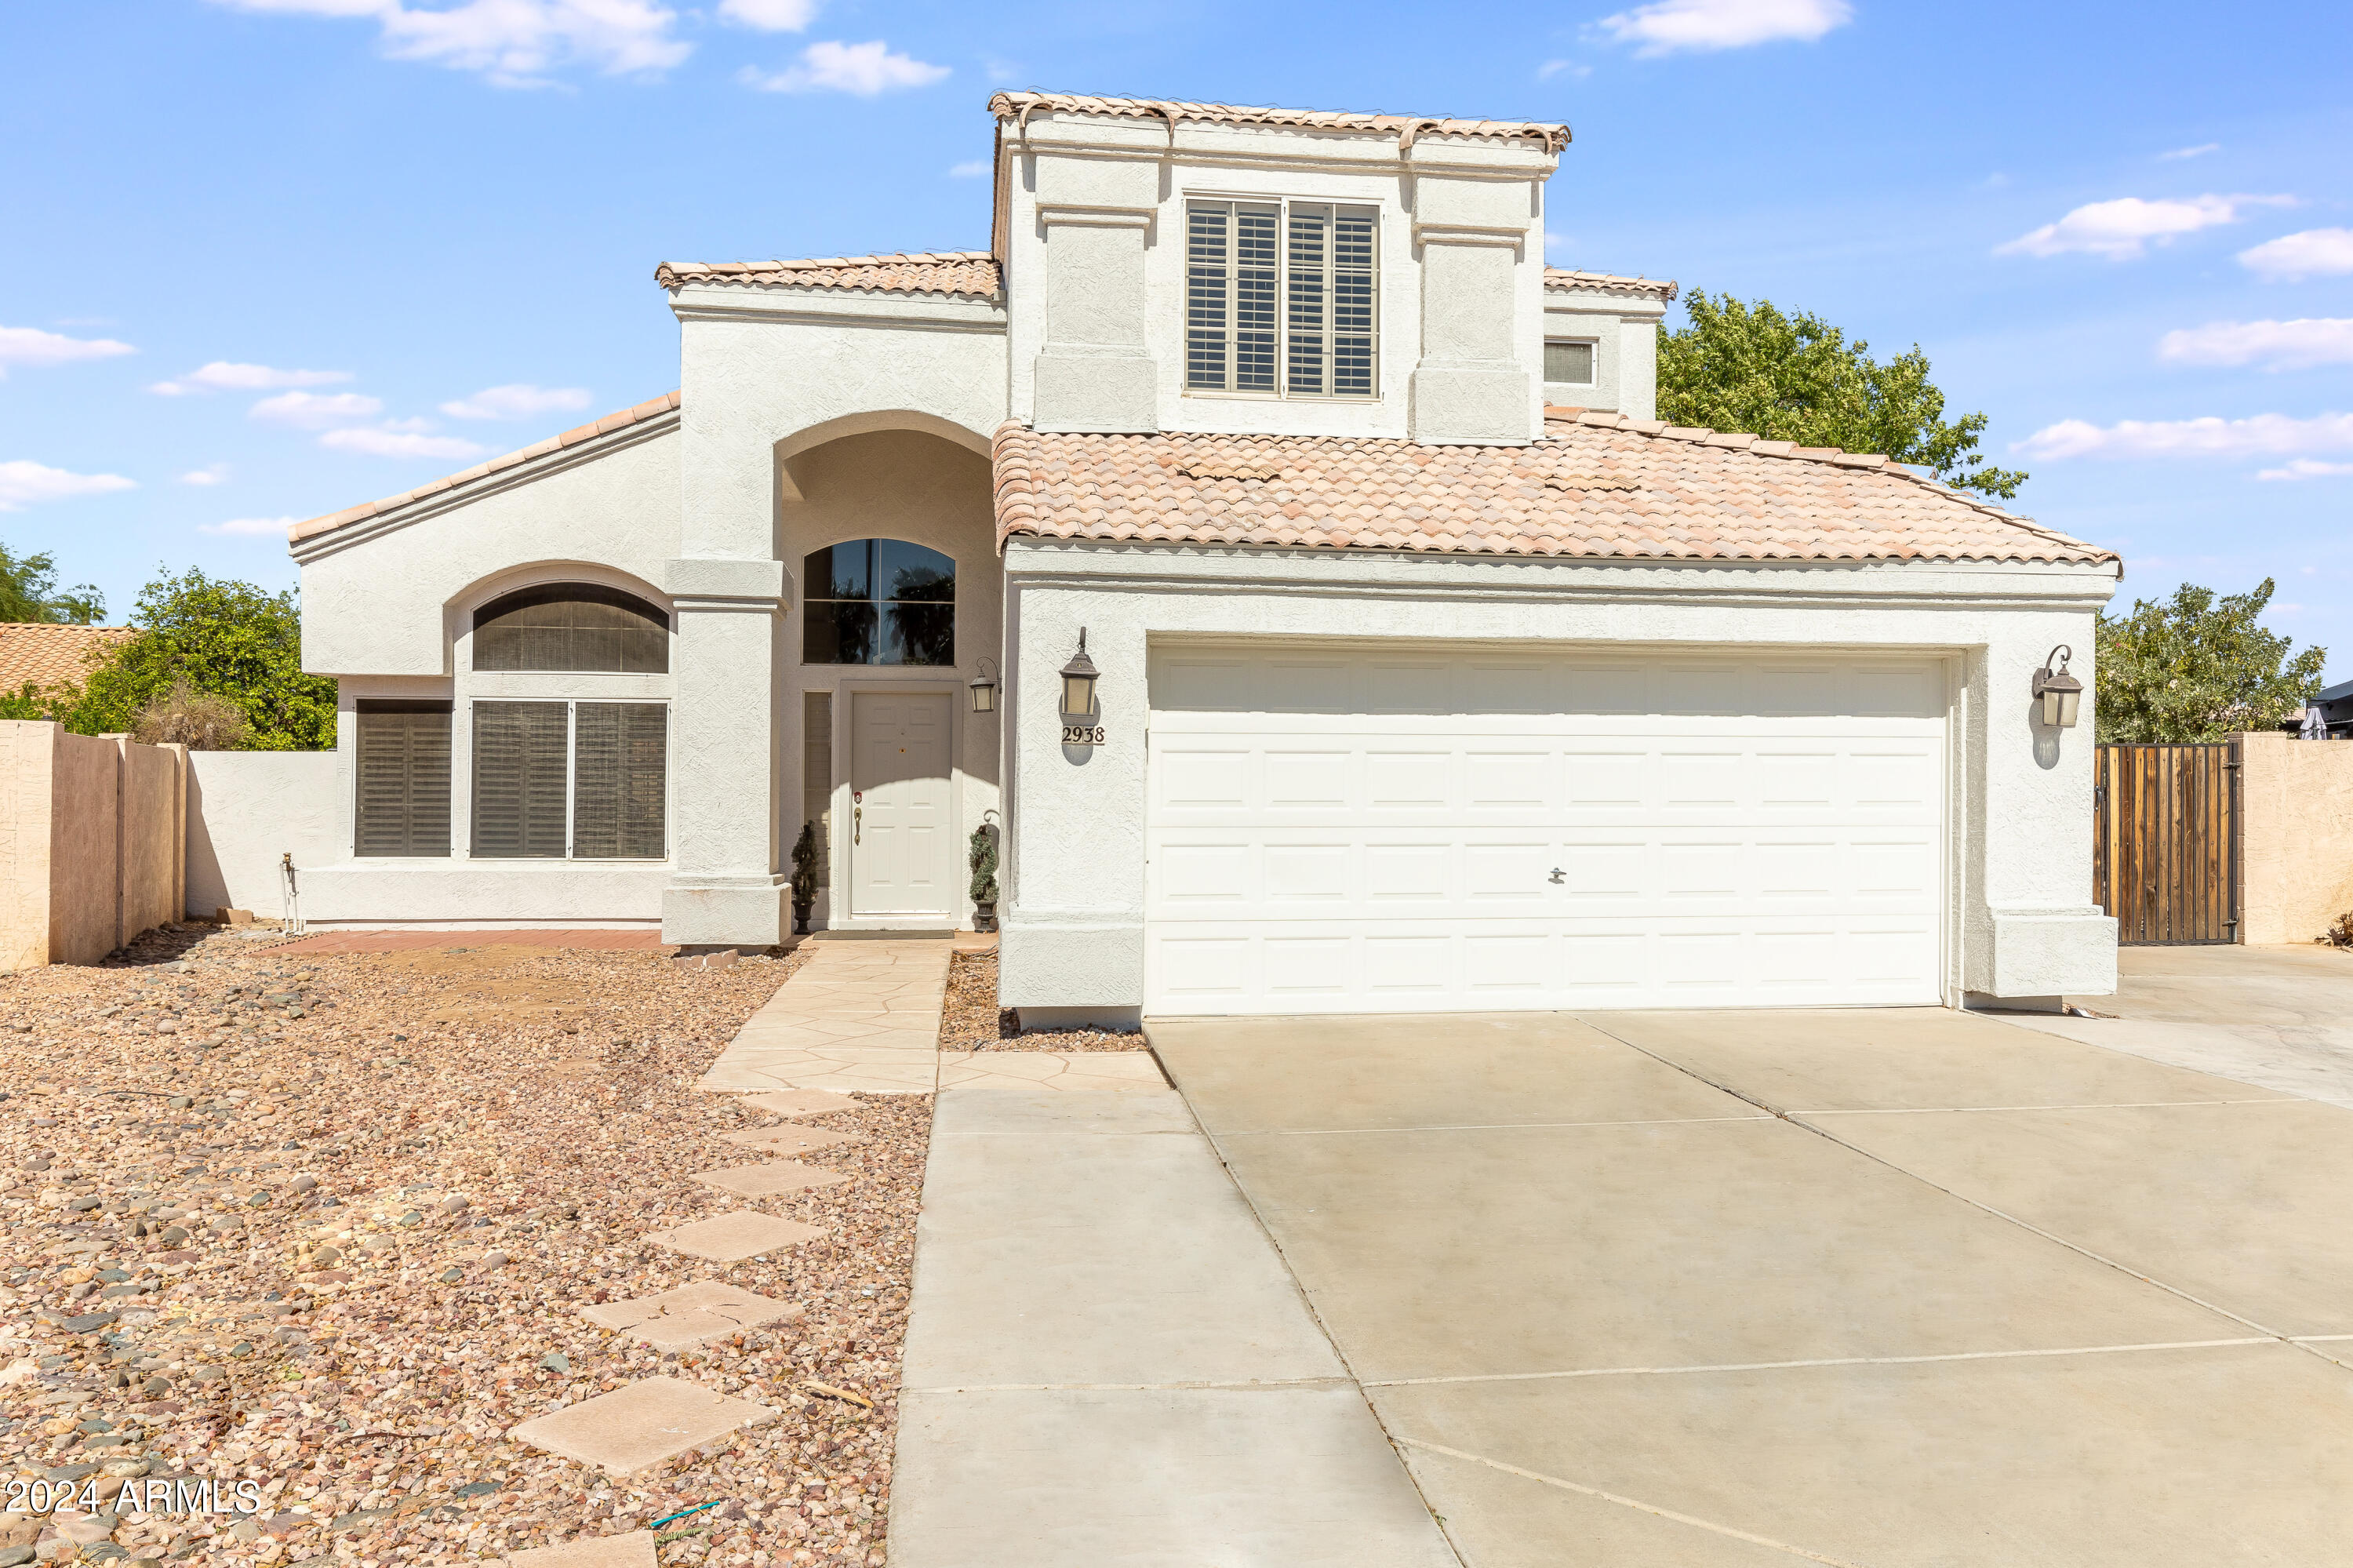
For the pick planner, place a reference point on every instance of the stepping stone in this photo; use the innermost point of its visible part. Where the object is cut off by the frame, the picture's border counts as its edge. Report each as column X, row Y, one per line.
column 735, row 1235
column 792, row 1139
column 769, row 1180
column 635, row 1549
column 689, row 1314
column 799, row 1102
column 635, row 1428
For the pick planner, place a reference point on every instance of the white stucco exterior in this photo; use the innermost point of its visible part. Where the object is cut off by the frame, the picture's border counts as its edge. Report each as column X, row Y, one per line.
column 826, row 403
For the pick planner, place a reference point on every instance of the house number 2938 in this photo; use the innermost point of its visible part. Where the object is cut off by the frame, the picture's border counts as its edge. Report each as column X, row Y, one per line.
column 1082, row 734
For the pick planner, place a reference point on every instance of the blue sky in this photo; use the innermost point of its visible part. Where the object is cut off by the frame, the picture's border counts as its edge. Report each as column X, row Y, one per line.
column 266, row 259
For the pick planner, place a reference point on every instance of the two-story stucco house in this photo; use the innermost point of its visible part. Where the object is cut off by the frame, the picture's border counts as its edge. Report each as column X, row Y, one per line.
column 1432, row 672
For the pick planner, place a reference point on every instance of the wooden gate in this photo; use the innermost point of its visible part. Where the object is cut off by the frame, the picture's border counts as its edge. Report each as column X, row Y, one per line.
column 2165, row 851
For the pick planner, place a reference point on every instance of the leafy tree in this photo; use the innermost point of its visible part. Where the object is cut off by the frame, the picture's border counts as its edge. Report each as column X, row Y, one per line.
column 1739, row 366
column 228, row 638
column 2196, row 668
column 29, row 592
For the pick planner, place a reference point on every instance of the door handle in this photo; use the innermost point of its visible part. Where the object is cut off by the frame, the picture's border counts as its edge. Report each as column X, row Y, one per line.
column 1558, row 874
column 857, row 822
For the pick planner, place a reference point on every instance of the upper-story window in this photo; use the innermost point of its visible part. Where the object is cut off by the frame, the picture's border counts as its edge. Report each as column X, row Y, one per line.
column 878, row 601
column 1568, row 361
column 572, row 626
column 1280, row 298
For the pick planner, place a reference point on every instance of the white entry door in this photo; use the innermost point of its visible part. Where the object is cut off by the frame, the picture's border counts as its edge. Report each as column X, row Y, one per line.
column 1454, row 832
column 900, row 859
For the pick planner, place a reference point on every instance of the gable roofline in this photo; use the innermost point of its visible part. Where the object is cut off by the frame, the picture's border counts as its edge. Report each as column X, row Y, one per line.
column 1018, row 107
column 1663, row 290
column 965, row 274
column 622, row 426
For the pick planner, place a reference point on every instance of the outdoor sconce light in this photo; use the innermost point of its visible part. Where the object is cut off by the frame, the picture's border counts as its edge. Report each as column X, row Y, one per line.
column 2057, row 693
column 984, row 687
column 1078, row 681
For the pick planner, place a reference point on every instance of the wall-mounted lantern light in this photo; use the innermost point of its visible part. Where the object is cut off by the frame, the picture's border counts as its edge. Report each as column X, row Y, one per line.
column 984, row 687
column 2057, row 694
column 1078, row 681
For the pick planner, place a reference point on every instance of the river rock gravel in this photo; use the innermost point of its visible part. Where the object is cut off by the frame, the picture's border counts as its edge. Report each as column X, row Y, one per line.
column 972, row 1021
column 327, row 1224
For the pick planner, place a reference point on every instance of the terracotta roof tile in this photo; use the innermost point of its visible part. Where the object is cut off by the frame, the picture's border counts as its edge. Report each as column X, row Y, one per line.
column 50, row 655
column 1663, row 290
column 1597, row 486
column 969, row 273
column 619, row 420
column 1019, row 106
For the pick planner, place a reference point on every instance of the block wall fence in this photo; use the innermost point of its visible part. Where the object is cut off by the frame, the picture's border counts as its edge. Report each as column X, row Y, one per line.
column 93, row 842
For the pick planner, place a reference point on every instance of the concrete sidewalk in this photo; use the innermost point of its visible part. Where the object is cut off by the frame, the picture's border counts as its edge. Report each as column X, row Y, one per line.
column 1107, row 1363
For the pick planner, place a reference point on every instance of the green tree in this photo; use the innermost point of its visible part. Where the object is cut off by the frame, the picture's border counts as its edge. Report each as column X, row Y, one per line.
column 1738, row 367
column 2197, row 667
column 29, row 592
column 223, row 638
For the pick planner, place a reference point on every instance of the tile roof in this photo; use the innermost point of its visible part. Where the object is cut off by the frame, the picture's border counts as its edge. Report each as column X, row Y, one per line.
column 971, row 273
column 1663, row 290
column 50, row 655
column 653, row 408
column 1599, row 485
column 1019, row 106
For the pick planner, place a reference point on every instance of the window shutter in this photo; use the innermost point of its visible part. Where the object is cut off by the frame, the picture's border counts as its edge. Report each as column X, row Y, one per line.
column 519, row 780
column 403, row 778
column 620, row 773
column 1355, row 231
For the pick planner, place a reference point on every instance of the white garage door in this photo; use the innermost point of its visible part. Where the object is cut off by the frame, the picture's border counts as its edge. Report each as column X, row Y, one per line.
column 1452, row 832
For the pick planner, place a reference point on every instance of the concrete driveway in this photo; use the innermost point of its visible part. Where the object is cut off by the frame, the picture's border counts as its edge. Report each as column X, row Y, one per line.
column 1889, row 1289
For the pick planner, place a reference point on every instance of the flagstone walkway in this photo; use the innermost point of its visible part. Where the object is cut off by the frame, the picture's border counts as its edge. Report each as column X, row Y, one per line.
column 863, row 1017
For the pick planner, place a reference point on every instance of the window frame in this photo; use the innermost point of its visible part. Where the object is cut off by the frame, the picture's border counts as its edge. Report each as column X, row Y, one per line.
column 571, row 706
column 363, row 709
column 1282, row 301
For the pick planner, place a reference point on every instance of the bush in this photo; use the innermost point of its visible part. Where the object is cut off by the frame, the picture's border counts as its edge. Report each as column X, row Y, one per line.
column 201, row 721
column 221, row 639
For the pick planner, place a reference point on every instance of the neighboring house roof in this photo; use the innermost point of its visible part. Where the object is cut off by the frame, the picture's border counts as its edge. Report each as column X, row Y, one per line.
column 652, row 408
column 1598, row 485
column 1019, row 106
column 1660, row 289
column 49, row 655
column 971, row 273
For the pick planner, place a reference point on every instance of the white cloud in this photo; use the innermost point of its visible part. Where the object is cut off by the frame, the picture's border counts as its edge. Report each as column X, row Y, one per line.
column 32, row 346
column 249, row 527
column 512, row 43
column 2124, row 228
column 1552, row 69
column 2315, row 253
column 211, row 474
column 2263, row 435
column 2179, row 154
column 394, row 440
column 517, row 400
column 864, row 69
column 2307, row 468
column 314, row 410
column 2276, row 345
column 978, row 169
column 1672, row 25
column 221, row 376
column 770, row 15
column 999, row 69
column 24, row 484
column 1559, row 250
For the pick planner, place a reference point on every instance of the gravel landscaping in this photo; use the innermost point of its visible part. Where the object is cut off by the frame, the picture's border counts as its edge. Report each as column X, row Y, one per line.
column 328, row 1224
column 972, row 1022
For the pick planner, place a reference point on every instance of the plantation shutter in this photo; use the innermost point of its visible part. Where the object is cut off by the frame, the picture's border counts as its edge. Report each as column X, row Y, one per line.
column 519, row 780
column 403, row 766
column 1230, row 304
column 619, row 779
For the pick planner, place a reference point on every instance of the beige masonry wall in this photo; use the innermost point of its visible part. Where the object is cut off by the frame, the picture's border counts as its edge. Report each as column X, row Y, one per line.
column 92, row 842
column 2296, row 864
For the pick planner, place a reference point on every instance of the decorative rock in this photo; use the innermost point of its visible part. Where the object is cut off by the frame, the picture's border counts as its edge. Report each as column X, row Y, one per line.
column 305, row 1183
column 556, row 1361
column 453, row 1204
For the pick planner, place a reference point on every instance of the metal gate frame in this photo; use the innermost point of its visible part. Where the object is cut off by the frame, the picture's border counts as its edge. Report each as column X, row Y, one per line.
column 2165, row 851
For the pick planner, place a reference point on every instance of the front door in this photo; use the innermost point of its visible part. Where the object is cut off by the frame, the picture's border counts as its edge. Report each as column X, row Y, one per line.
column 899, row 862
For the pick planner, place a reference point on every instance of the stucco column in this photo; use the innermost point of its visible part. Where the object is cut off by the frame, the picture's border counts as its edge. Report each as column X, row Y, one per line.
column 725, row 885
column 1095, row 372
column 1471, row 385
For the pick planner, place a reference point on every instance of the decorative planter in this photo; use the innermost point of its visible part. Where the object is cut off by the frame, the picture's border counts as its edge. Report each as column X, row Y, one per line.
column 800, row 916
column 983, row 914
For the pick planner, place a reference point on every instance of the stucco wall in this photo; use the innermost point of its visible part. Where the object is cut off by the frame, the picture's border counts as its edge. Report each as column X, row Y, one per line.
column 1624, row 333
column 246, row 810
column 2021, row 921
column 28, row 758
column 2297, row 864
column 154, row 783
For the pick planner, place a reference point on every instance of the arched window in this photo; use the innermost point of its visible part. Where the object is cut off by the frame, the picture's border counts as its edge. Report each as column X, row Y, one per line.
column 878, row 601
column 572, row 626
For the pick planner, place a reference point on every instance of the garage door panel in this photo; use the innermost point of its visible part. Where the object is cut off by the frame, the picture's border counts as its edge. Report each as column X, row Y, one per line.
column 1391, row 856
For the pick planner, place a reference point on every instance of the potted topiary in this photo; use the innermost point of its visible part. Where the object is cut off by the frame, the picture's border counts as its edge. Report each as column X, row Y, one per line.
column 803, row 878
column 984, row 878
